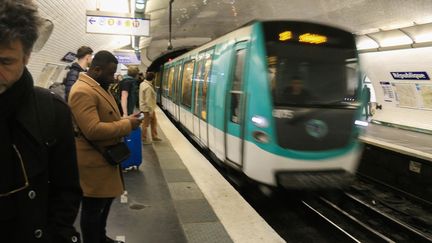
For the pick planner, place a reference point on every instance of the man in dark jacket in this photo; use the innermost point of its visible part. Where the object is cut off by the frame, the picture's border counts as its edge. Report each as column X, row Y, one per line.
column 84, row 55
column 129, row 91
column 39, row 184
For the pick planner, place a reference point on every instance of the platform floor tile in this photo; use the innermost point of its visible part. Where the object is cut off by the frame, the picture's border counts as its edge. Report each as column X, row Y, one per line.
column 195, row 211
column 210, row 232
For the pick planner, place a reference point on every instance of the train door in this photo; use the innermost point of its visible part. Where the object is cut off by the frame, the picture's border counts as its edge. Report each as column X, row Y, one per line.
column 205, row 78
column 197, row 96
column 178, row 89
column 200, row 102
column 186, row 94
column 164, row 86
column 170, row 90
column 234, row 108
column 175, row 94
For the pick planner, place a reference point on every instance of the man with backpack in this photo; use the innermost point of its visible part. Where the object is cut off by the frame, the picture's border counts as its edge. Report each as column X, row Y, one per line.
column 129, row 91
column 84, row 55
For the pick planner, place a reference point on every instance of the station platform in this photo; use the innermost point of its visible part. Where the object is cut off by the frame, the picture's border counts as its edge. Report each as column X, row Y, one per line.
column 176, row 195
column 411, row 143
column 398, row 158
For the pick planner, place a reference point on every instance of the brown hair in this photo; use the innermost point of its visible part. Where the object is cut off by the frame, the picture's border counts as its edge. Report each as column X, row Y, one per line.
column 83, row 51
column 132, row 71
column 150, row 76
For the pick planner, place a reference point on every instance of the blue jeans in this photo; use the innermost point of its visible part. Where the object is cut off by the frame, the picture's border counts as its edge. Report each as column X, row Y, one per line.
column 94, row 214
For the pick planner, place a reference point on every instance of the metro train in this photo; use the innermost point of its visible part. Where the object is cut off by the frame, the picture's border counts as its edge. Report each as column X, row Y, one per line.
column 275, row 100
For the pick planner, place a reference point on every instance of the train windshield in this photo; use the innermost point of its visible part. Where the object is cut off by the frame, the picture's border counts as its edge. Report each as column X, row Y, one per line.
column 322, row 70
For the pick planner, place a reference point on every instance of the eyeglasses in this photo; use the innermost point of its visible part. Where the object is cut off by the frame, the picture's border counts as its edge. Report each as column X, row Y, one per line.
column 26, row 184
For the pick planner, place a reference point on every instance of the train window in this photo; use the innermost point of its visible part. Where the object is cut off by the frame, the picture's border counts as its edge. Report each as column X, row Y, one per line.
column 312, row 75
column 175, row 83
column 178, row 82
column 165, row 82
column 198, row 84
column 237, row 86
column 157, row 80
column 170, row 81
column 205, row 79
column 187, row 83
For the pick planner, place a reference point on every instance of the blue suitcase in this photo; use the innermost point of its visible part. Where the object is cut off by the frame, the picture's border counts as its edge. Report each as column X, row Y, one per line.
column 133, row 141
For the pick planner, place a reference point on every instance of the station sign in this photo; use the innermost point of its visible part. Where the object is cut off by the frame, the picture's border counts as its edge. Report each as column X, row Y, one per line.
column 410, row 75
column 117, row 25
column 127, row 58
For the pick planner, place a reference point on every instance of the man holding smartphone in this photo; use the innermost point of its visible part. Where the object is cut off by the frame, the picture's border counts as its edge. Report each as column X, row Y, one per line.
column 98, row 120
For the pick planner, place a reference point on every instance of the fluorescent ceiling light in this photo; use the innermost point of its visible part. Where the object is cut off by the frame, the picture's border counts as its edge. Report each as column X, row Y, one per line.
column 391, row 38
column 396, row 41
column 424, row 37
column 140, row 4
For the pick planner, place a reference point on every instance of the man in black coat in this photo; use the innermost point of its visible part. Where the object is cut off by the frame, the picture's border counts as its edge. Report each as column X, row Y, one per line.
column 39, row 185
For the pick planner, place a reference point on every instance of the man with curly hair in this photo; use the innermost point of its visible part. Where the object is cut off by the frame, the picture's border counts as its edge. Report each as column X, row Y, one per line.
column 39, row 185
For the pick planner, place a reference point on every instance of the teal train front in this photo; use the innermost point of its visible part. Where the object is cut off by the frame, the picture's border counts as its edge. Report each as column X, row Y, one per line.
column 276, row 100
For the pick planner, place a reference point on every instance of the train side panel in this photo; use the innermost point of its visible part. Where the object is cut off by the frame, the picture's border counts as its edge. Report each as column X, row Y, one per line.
column 217, row 93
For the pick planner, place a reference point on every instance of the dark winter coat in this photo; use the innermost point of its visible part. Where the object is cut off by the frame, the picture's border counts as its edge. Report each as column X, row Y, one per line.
column 71, row 77
column 46, row 210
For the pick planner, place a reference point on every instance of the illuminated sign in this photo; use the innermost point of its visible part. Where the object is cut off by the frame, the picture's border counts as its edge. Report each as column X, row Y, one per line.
column 410, row 75
column 69, row 57
column 284, row 36
column 127, row 58
column 117, row 25
column 312, row 38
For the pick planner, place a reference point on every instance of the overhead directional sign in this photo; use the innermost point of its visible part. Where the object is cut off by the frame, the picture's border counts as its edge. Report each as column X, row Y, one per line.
column 117, row 25
column 127, row 58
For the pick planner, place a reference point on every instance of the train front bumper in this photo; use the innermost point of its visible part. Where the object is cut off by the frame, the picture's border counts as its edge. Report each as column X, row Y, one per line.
column 331, row 179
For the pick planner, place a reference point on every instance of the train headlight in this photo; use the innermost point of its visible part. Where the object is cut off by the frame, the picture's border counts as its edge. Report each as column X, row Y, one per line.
column 361, row 123
column 260, row 121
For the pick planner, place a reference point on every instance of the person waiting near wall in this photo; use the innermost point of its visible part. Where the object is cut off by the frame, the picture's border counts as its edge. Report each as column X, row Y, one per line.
column 84, row 55
column 147, row 104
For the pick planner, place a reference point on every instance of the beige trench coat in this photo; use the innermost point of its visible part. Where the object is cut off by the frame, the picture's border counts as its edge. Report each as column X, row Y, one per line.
column 96, row 114
column 147, row 97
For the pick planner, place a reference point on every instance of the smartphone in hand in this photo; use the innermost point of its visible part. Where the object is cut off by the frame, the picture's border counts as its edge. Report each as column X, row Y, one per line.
column 140, row 116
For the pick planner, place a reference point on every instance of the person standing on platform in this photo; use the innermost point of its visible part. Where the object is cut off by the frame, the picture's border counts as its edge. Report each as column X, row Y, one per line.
column 114, row 89
column 147, row 104
column 98, row 124
column 84, row 55
column 39, row 185
column 128, row 90
column 367, row 109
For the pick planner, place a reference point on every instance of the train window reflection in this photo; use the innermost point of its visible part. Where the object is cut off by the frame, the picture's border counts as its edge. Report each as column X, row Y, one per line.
column 310, row 75
column 197, row 83
column 187, row 83
column 165, row 82
column 205, row 78
column 237, row 86
column 201, row 84
column 176, row 81
column 170, row 81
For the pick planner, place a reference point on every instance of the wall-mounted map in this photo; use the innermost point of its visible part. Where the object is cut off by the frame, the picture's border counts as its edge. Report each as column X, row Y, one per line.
column 426, row 96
